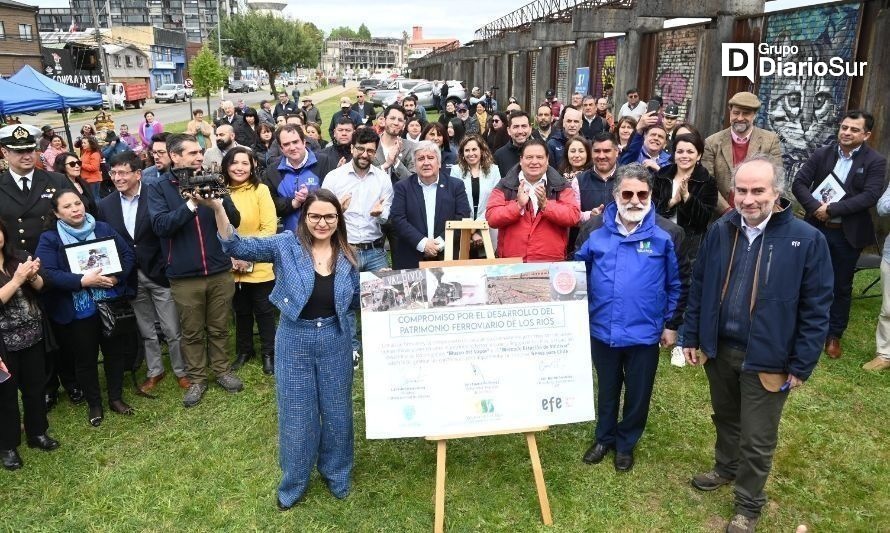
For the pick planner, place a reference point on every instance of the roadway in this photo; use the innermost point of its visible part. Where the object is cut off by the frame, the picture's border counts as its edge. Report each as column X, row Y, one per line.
column 168, row 113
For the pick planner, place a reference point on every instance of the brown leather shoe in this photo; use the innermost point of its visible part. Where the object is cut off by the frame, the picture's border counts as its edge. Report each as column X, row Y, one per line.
column 833, row 347
column 151, row 382
column 184, row 382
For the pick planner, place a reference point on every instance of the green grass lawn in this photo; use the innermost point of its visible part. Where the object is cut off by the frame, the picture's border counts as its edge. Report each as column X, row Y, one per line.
column 214, row 467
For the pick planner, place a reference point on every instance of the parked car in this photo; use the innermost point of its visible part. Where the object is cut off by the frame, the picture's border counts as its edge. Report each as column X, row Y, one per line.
column 237, row 86
column 386, row 95
column 368, row 83
column 424, row 92
column 252, row 85
column 302, row 78
column 171, row 92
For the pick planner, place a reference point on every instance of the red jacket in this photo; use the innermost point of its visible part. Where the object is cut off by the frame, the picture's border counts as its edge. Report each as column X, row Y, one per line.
column 535, row 239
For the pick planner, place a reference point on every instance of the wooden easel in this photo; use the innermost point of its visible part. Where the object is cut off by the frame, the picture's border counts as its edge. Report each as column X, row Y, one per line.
column 540, row 486
column 467, row 227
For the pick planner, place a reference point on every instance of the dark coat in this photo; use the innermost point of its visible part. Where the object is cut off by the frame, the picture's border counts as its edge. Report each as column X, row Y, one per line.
column 146, row 245
column 188, row 240
column 25, row 217
column 693, row 216
column 864, row 186
column 243, row 134
column 789, row 322
column 63, row 283
column 369, row 111
column 408, row 216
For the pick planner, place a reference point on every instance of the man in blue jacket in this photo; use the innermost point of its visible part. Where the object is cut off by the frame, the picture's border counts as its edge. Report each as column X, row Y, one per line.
column 635, row 289
column 758, row 311
column 198, row 269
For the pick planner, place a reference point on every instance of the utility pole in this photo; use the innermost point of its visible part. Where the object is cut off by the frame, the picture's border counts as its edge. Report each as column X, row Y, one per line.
column 102, row 59
column 219, row 46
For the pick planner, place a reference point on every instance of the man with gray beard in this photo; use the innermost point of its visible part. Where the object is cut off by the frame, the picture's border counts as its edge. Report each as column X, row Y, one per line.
column 636, row 296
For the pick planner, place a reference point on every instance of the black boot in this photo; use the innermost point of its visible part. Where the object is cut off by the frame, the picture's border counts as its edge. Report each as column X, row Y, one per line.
column 241, row 360
column 268, row 364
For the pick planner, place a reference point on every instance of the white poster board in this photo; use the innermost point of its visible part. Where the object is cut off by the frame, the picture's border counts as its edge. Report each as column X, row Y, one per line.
column 471, row 349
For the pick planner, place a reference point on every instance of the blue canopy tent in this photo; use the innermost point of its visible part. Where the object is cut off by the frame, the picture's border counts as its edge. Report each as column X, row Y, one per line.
column 64, row 96
column 15, row 98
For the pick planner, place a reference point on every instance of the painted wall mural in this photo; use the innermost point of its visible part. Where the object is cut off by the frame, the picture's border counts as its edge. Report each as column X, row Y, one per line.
column 675, row 71
column 803, row 110
column 605, row 61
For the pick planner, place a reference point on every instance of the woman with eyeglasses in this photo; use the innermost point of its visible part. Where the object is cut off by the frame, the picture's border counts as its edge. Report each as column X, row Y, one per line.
column 69, row 164
column 71, row 299
column 253, row 281
column 316, row 284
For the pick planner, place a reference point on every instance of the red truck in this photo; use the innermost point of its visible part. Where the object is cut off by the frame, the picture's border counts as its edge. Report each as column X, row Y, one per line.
column 124, row 94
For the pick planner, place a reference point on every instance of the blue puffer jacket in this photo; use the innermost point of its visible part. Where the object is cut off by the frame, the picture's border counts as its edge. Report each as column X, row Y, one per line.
column 796, row 286
column 633, row 285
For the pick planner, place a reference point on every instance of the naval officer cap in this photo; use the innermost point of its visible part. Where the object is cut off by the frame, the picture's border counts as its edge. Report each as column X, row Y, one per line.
column 19, row 136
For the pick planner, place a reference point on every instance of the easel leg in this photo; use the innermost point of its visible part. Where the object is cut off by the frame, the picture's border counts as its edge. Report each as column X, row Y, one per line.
column 539, row 479
column 440, row 485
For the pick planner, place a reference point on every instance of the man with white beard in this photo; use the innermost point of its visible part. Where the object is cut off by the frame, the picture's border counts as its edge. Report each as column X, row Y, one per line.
column 636, row 294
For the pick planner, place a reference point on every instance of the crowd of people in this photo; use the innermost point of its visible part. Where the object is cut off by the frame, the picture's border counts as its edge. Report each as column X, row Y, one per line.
column 688, row 242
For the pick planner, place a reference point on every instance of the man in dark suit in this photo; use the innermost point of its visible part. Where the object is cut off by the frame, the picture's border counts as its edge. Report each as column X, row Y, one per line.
column 364, row 109
column 846, row 223
column 421, row 205
column 127, row 213
column 25, row 193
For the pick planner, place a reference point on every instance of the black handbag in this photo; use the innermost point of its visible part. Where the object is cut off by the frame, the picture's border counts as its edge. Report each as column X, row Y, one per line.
column 118, row 316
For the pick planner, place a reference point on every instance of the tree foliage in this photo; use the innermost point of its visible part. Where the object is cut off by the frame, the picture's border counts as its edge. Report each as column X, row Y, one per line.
column 364, row 34
column 270, row 43
column 206, row 73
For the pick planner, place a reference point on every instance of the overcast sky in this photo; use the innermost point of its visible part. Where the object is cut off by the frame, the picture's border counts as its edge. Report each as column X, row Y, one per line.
column 448, row 18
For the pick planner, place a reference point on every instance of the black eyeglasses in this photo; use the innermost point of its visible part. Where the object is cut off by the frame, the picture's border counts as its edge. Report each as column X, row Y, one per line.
column 628, row 195
column 73, row 164
column 315, row 218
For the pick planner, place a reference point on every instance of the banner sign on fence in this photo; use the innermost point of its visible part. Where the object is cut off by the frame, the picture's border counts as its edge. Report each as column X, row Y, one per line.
column 465, row 349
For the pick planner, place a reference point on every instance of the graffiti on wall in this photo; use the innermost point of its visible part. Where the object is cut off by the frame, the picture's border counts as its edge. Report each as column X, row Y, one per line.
column 605, row 64
column 803, row 111
column 675, row 70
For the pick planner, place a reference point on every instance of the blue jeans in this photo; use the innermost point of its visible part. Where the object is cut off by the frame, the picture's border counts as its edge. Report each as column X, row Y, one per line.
column 368, row 261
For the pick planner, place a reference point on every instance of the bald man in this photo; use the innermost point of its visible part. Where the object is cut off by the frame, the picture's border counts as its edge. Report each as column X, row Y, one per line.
column 225, row 141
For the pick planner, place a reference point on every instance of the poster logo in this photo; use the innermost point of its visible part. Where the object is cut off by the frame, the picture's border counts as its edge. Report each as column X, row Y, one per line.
column 737, row 59
column 486, row 406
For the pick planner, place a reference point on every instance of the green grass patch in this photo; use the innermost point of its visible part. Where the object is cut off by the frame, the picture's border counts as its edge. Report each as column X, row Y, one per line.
column 214, row 467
